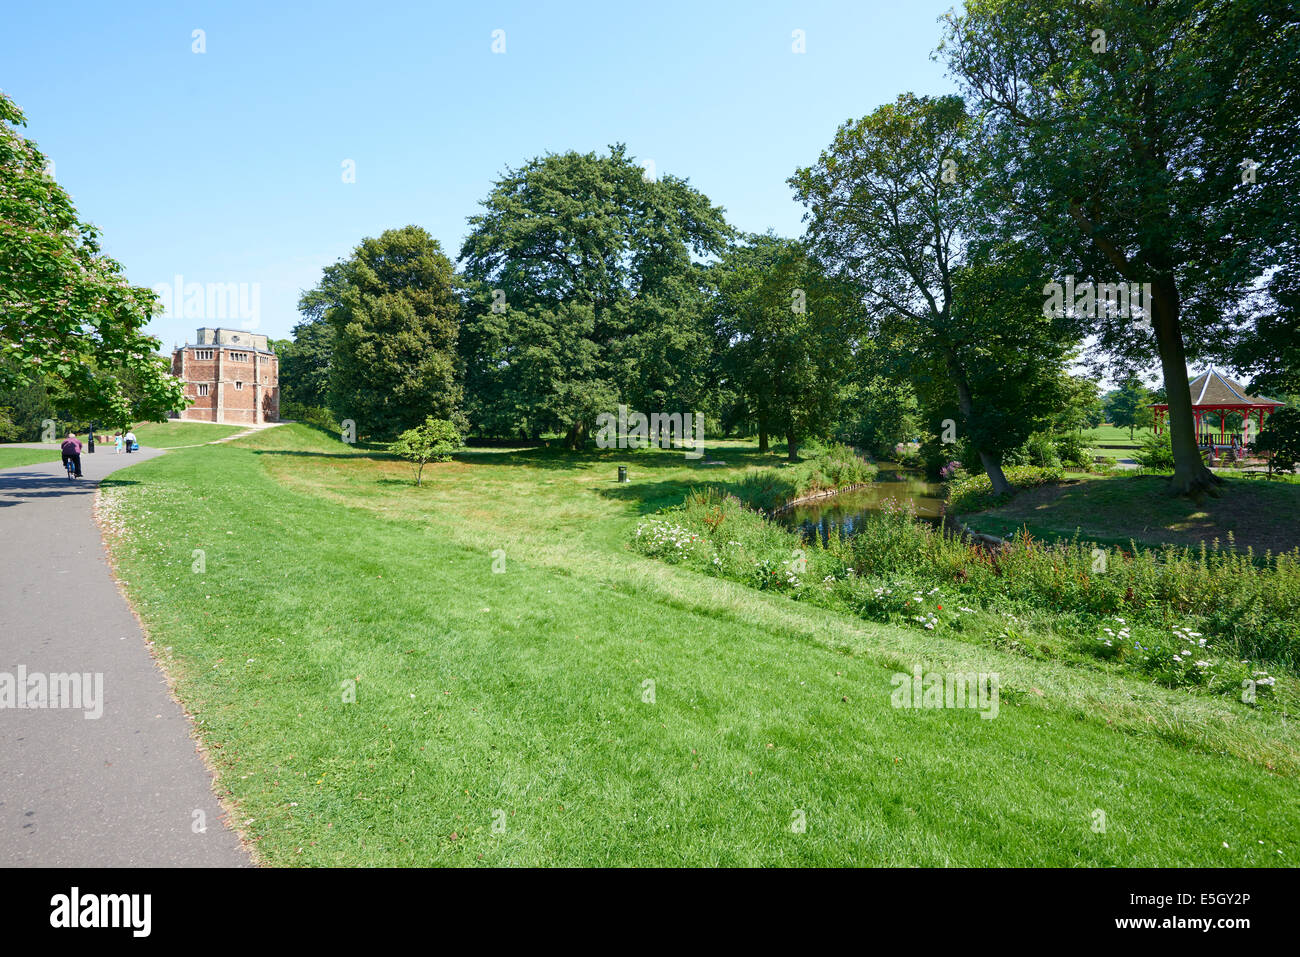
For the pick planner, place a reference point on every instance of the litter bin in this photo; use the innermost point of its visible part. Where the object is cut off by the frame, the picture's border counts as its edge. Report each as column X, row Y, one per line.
column 622, row 473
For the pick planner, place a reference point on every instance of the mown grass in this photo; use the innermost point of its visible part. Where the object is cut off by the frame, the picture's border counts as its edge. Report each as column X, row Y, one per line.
column 176, row 434
column 13, row 458
column 521, row 696
column 1113, row 435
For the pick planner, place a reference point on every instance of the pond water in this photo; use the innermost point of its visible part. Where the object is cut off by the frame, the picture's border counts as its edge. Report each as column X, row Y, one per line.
column 846, row 510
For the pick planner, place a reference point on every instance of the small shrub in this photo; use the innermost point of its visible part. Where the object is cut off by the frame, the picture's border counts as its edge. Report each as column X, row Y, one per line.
column 1074, row 451
column 1040, row 451
column 1157, row 452
column 434, row 441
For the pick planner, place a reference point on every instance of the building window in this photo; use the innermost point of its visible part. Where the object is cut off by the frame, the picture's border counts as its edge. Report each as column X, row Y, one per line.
column 238, row 384
column 239, row 357
column 203, row 388
column 203, row 353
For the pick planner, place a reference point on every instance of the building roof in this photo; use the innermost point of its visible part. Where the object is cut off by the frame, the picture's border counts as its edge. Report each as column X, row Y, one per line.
column 1212, row 389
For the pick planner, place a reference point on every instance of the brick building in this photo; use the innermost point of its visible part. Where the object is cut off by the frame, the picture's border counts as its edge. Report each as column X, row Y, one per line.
column 231, row 375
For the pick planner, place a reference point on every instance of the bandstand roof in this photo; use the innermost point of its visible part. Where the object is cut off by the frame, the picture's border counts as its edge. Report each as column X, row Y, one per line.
column 1214, row 390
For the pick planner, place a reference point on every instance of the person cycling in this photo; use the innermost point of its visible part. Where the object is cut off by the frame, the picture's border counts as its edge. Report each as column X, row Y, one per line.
column 72, row 452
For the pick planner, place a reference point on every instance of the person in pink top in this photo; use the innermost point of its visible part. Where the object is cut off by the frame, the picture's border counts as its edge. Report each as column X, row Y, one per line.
column 72, row 450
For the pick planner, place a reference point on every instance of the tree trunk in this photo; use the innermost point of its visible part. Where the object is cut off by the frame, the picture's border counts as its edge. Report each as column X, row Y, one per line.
column 992, row 461
column 1191, row 477
column 791, row 448
column 993, row 468
column 762, row 436
column 576, row 436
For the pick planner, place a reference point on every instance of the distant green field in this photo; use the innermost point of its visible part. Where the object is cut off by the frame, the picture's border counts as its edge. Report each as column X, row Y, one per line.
column 1114, row 435
column 12, row 458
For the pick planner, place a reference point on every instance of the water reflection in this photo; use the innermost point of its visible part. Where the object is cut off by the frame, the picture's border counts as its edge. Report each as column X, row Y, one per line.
column 846, row 511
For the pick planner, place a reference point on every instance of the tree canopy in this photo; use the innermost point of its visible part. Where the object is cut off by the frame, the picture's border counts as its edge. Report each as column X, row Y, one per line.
column 392, row 308
column 588, row 291
column 1143, row 143
column 893, row 206
column 68, row 317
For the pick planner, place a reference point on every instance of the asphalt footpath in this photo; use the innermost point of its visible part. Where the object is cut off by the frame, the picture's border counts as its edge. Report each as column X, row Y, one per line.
column 110, row 777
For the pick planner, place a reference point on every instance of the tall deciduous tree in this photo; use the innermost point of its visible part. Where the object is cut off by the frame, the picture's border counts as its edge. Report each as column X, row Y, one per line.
column 68, row 317
column 1268, row 348
column 305, row 360
column 587, row 293
column 1129, row 406
column 393, row 308
column 788, row 335
column 891, row 206
column 1145, row 143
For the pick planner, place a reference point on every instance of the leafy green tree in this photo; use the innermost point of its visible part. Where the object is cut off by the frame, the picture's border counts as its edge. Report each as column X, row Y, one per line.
column 1161, row 152
column 305, row 362
column 392, row 310
column 29, row 407
column 68, row 317
column 586, row 292
column 433, row 441
column 878, row 410
column 1082, row 408
column 1280, row 440
column 1129, row 406
column 10, row 431
column 1269, row 348
column 788, row 333
column 891, row 207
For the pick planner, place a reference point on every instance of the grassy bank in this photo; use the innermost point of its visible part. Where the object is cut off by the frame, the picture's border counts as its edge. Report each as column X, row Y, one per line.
column 1206, row 620
column 610, row 708
column 1250, row 513
column 177, row 434
column 821, row 469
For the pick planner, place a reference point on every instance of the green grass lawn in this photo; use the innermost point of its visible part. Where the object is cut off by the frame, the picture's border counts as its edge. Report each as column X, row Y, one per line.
column 1113, row 442
column 1115, row 509
column 12, row 458
column 1114, row 435
column 506, row 718
column 174, row 434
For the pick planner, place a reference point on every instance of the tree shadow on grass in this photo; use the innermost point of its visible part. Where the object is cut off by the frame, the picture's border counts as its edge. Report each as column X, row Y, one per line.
column 757, row 490
column 379, row 454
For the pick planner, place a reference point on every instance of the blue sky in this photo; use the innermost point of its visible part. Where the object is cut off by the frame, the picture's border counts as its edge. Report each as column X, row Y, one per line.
column 226, row 166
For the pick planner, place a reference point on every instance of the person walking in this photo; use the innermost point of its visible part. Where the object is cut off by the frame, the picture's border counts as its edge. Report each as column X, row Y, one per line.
column 117, row 444
column 130, row 441
column 71, row 450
